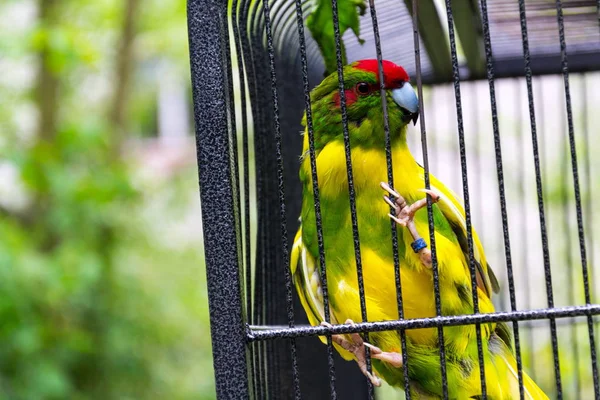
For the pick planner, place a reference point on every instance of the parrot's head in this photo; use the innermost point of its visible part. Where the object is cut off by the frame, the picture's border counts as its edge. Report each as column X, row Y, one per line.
column 363, row 103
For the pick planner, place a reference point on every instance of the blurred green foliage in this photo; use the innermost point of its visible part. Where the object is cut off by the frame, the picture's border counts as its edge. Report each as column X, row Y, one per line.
column 320, row 24
column 98, row 298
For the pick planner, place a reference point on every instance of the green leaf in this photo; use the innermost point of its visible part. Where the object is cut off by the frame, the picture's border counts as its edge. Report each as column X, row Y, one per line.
column 320, row 24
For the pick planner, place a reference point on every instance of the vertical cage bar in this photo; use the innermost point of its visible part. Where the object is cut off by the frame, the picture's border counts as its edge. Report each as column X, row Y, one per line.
column 242, row 55
column 390, row 177
column 269, row 217
column 465, row 183
column 521, row 185
column 434, row 262
column 578, row 206
column 544, row 143
column 540, row 194
column 208, row 39
column 257, row 101
column 543, row 121
column 234, row 137
column 351, row 193
column 568, row 252
column 281, row 193
column 501, row 189
column 315, row 188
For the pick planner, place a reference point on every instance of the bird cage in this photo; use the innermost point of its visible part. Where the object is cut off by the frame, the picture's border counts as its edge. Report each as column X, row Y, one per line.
column 507, row 98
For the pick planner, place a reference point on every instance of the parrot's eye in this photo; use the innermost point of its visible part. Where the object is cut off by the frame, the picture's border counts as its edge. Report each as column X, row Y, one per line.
column 363, row 88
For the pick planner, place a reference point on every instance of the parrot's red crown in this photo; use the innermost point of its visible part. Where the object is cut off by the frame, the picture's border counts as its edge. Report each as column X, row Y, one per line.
column 394, row 75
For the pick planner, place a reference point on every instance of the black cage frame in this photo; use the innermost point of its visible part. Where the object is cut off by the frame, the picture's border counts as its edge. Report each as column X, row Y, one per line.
column 246, row 280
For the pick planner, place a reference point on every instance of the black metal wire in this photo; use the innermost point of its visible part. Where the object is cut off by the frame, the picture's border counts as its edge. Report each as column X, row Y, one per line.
column 245, row 164
column 390, row 177
column 568, row 255
column 420, row 323
column 540, row 128
column 241, row 54
column 540, row 195
column 524, row 237
column 315, row 187
column 502, row 194
column 259, row 287
column 434, row 262
column 274, row 355
column 270, row 220
column 234, row 142
column 257, row 101
column 524, row 322
column 351, row 193
column 578, row 207
column 281, row 191
column 463, row 164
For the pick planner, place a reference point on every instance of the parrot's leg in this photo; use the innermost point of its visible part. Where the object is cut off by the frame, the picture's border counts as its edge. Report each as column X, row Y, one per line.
column 357, row 346
column 404, row 215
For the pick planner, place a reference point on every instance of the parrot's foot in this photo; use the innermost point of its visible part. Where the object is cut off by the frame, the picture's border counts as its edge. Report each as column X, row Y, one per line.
column 357, row 347
column 404, row 215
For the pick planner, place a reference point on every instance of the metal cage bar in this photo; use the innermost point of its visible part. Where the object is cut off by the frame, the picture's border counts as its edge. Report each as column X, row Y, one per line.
column 281, row 193
column 576, row 189
column 419, row 323
column 466, row 197
column 540, row 195
column 501, row 188
column 390, row 178
column 351, row 192
column 315, row 188
column 208, row 40
column 430, row 221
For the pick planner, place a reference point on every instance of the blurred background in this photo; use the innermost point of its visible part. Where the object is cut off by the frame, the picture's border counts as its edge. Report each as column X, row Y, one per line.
column 102, row 284
column 102, row 281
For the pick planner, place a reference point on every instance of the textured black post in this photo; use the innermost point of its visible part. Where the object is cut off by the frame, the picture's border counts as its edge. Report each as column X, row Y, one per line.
column 208, row 40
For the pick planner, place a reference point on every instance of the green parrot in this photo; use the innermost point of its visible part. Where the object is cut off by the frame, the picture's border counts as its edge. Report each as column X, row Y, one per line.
column 407, row 200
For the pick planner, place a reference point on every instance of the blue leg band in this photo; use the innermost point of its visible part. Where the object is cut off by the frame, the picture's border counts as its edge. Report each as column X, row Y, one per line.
column 418, row 245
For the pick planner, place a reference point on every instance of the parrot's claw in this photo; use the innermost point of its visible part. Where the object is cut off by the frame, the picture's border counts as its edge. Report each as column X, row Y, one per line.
column 404, row 215
column 357, row 347
column 392, row 358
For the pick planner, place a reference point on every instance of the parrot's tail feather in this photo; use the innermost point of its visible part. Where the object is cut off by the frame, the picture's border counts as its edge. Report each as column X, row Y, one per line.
column 530, row 389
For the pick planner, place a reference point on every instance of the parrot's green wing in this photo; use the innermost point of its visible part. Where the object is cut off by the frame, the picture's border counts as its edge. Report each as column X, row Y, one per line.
column 307, row 281
column 455, row 214
column 308, row 286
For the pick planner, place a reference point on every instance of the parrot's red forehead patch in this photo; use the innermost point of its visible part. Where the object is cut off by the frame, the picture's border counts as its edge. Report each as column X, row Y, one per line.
column 393, row 74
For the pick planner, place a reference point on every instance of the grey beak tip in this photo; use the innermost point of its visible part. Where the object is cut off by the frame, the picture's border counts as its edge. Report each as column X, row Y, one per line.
column 414, row 118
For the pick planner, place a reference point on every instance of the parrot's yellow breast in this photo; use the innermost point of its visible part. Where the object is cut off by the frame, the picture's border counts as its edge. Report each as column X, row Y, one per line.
column 369, row 169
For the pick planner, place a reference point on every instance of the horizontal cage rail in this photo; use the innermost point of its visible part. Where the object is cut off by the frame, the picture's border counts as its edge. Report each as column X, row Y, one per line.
column 420, row 323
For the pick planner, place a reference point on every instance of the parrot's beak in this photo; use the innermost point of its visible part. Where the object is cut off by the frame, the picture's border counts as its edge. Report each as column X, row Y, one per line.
column 407, row 99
